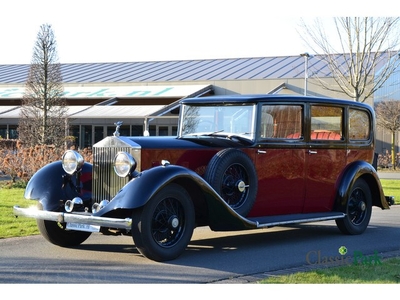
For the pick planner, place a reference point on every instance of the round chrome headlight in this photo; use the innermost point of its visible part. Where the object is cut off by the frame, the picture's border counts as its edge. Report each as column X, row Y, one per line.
column 124, row 164
column 72, row 161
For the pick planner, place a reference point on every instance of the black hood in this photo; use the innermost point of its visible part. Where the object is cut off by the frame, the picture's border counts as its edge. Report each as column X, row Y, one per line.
column 181, row 143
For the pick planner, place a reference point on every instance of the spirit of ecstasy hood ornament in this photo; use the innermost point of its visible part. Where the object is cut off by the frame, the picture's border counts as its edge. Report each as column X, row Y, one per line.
column 118, row 124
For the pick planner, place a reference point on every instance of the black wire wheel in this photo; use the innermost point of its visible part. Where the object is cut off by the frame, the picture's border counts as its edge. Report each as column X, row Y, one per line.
column 358, row 209
column 232, row 175
column 163, row 227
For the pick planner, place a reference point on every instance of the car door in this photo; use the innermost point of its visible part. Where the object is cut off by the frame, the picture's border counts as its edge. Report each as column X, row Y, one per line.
column 280, row 160
column 325, row 156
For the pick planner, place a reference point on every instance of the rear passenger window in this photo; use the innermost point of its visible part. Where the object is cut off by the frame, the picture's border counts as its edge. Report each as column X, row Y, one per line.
column 281, row 121
column 359, row 125
column 326, row 123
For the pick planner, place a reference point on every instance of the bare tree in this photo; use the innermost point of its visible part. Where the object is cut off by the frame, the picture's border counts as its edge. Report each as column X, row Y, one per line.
column 361, row 56
column 43, row 117
column 388, row 117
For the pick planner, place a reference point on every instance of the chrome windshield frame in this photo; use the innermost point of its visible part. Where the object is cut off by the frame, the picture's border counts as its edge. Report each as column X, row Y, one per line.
column 218, row 120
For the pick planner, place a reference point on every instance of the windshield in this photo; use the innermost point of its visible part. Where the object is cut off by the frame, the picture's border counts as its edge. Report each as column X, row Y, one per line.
column 218, row 120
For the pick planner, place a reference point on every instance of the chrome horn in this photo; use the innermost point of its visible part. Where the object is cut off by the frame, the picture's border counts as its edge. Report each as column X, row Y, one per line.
column 70, row 204
column 97, row 206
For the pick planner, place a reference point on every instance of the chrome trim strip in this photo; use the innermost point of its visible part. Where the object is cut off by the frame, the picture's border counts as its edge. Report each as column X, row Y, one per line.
column 298, row 221
column 72, row 218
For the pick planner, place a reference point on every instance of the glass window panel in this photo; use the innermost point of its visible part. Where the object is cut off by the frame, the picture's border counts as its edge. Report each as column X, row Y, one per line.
column 326, row 123
column 162, row 130
column 359, row 125
column 137, row 130
column 281, row 121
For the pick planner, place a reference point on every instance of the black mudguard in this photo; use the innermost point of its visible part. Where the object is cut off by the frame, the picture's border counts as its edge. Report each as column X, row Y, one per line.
column 49, row 185
column 359, row 169
column 141, row 189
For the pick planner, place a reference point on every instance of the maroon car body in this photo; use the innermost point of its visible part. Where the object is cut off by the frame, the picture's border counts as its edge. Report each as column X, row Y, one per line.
column 238, row 162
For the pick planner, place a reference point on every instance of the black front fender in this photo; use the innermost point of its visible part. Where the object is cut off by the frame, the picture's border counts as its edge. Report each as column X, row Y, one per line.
column 141, row 189
column 48, row 186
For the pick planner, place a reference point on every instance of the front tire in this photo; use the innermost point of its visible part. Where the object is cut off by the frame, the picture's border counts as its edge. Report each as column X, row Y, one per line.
column 55, row 233
column 358, row 209
column 162, row 229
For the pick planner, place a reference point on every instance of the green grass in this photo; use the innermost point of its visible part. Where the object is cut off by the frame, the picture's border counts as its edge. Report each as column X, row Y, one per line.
column 10, row 226
column 387, row 272
column 391, row 187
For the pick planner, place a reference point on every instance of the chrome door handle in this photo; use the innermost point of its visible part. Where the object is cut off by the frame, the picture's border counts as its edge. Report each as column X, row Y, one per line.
column 312, row 152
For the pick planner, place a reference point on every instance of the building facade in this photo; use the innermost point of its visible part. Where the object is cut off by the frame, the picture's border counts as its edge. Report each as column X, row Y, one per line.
column 145, row 95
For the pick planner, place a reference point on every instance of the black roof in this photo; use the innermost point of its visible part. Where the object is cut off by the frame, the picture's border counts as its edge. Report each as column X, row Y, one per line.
column 237, row 98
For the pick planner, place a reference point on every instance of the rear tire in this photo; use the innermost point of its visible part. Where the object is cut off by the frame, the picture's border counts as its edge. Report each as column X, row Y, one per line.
column 358, row 209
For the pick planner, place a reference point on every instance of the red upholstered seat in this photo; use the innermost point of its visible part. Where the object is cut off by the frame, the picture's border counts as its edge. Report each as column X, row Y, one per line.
column 296, row 135
column 318, row 135
column 325, row 135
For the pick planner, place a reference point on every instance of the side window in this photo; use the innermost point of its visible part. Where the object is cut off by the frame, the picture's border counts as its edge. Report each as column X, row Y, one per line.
column 359, row 125
column 281, row 121
column 326, row 122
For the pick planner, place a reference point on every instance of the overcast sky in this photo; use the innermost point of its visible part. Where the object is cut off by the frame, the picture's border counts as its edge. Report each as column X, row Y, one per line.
column 150, row 30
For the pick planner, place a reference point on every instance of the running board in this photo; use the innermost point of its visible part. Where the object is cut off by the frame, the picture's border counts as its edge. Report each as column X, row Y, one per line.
column 263, row 222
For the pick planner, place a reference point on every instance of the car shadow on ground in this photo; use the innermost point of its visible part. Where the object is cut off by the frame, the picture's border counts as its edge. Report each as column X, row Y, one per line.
column 223, row 245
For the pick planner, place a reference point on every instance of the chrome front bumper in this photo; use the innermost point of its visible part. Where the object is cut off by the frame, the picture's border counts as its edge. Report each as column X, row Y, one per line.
column 73, row 218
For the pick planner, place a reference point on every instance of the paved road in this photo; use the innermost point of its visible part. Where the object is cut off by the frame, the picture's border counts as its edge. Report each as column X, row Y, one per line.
column 389, row 175
column 212, row 257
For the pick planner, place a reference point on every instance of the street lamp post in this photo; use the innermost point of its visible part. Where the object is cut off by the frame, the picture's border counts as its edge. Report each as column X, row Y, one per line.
column 306, row 58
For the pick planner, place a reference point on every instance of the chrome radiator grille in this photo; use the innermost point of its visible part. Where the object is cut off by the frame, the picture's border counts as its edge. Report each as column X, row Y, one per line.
column 105, row 183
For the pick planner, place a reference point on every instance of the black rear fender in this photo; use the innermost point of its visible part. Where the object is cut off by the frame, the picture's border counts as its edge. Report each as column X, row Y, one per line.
column 356, row 170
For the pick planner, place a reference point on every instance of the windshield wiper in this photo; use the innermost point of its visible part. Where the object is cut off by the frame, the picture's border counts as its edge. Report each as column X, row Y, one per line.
column 212, row 133
column 240, row 138
column 232, row 137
